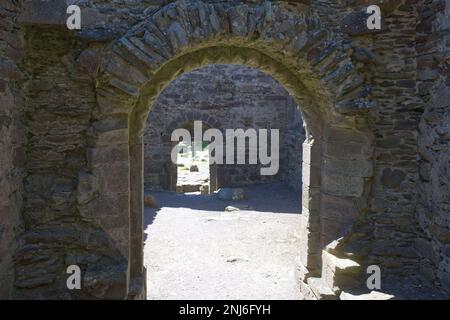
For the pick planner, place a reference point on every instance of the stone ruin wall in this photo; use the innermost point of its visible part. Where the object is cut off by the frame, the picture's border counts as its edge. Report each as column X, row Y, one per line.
column 12, row 153
column 12, row 141
column 410, row 85
column 407, row 226
column 433, row 76
column 395, row 122
column 236, row 97
column 294, row 144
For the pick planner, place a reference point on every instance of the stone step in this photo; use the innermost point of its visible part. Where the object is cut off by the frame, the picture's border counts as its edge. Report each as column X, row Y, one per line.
column 339, row 272
column 320, row 290
column 336, row 274
column 301, row 275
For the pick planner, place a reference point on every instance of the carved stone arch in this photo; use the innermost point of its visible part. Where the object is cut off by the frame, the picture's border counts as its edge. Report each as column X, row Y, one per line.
column 292, row 46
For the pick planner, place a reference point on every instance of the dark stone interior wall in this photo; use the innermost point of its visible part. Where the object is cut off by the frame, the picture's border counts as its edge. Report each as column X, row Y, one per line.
column 59, row 100
column 410, row 61
column 406, row 230
column 433, row 209
column 12, row 139
column 236, row 97
column 385, row 234
column 395, row 125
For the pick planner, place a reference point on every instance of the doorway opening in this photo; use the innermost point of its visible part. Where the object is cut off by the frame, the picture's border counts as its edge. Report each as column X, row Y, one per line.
column 227, row 231
column 193, row 165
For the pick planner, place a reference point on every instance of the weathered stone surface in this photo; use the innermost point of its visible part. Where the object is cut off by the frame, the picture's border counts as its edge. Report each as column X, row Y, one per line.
column 392, row 178
column 348, row 150
column 9, row 70
column 346, row 186
column 355, row 24
column 89, row 61
column 87, row 187
column 44, row 12
column 352, row 168
column 12, row 145
column 434, row 187
column 106, row 282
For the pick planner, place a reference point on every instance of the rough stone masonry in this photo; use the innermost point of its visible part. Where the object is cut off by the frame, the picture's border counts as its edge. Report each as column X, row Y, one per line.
column 375, row 161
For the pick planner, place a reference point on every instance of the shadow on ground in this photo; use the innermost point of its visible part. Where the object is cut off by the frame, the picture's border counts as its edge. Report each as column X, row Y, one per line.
column 268, row 197
column 196, row 250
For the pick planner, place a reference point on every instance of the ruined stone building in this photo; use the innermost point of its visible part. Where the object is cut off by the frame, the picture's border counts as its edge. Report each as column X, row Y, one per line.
column 224, row 97
column 364, row 119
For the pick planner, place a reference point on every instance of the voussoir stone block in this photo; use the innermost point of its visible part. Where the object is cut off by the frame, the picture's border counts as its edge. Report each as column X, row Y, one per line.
column 123, row 70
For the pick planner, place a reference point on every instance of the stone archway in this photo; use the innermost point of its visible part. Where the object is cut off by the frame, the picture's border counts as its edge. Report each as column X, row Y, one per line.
column 292, row 46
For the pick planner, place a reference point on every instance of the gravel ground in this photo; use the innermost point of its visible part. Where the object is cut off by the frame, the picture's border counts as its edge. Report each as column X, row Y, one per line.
column 195, row 250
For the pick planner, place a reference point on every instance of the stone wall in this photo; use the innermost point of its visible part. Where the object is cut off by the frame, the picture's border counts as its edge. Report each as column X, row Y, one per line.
column 433, row 209
column 294, row 139
column 235, row 97
column 395, row 126
column 58, row 229
column 406, row 228
column 12, row 139
column 384, row 235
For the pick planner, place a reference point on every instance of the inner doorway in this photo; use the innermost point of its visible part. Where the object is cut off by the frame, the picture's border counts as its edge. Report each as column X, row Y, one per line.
column 193, row 174
column 191, row 171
